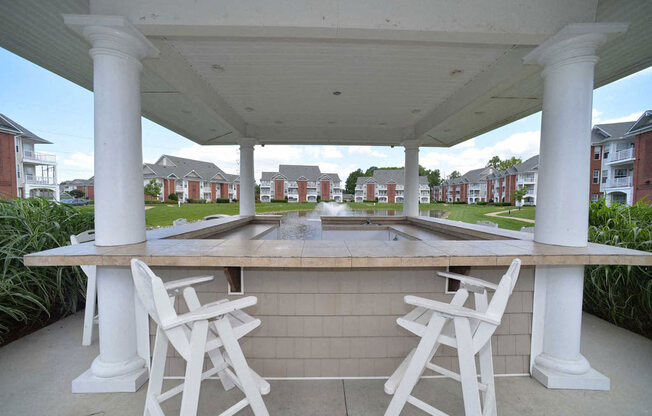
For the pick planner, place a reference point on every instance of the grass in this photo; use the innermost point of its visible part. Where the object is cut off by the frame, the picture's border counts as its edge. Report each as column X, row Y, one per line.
column 161, row 215
column 524, row 212
column 460, row 212
column 31, row 296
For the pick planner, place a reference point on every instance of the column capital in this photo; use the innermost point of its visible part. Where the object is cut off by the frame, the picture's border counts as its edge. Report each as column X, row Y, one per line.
column 111, row 34
column 576, row 42
column 411, row 143
column 247, row 142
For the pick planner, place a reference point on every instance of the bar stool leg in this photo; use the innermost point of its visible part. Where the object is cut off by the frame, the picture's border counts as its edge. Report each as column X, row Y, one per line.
column 468, row 373
column 240, row 366
column 190, row 399
column 157, row 370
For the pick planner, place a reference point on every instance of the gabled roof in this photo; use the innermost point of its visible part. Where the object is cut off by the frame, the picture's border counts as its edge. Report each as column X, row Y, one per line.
column 602, row 132
column 79, row 182
column 530, row 165
column 179, row 167
column 385, row 176
column 299, row 172
column 643, row 124
column 10, row 126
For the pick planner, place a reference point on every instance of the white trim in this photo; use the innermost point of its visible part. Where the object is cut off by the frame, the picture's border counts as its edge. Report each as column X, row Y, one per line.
column 538, row 313
column 228, row 285
column 198, row 175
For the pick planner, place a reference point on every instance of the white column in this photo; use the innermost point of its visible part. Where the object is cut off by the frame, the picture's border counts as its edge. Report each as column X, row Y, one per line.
column 247, row 183
column 411, row 189
column 568, row 59
column 117, row 48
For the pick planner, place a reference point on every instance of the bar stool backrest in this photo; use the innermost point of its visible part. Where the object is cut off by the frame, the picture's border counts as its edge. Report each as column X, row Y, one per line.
column 496, row 307
column 154, row 297
column 86, row 236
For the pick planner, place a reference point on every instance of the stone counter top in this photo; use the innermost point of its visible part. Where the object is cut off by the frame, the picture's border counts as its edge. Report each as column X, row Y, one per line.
column 335, row 254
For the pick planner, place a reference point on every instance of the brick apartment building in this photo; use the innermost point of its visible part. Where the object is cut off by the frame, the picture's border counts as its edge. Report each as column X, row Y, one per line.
column 25, row 172
column 300, row 183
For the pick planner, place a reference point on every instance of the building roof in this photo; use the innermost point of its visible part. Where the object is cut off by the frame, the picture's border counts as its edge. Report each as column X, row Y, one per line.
column 295, row 172
column 10, row 126
column 181, row 168
column 385, row 176
column 610, row 131
column 79, row 182
column 643, row 124
column 530, row 165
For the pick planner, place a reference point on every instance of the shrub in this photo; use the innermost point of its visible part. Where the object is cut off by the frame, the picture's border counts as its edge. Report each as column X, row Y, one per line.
column 621, row 294
column 279, row 200
column 441, row 202
column 502, row 204
column 173, row 197
column 195, row 201
column 29, row 296
column 481, row 203
column 371, row 201
column 459, row 202
column 170, row 201
column 222, row 200
column 152, row 202
column 318, row 198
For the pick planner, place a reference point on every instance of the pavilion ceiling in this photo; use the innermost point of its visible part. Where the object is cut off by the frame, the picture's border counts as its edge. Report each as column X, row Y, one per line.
column 333, row 72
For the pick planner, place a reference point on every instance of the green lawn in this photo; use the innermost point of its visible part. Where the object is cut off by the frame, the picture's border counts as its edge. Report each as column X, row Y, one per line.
column 463, row 212
column 161, row 215
column 525, row 212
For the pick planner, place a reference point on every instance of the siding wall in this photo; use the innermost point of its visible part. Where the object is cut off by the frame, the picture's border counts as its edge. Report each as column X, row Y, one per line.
column 596, row 164
column 643, row 168
column 343, row 323
column 8, row 180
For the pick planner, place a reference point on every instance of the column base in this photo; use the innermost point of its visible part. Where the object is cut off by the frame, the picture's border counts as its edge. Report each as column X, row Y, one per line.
column 127, row 383
column 591, row 380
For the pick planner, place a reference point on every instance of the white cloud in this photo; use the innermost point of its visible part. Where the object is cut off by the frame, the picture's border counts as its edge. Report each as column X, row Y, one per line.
column 324, row 152
column 465, row 158
column 595, row 116
column 80, row 160
column 78, row 165
column 632, row 117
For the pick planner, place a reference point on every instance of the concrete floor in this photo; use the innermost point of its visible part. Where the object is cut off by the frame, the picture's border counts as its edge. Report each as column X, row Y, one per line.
column 36, row 371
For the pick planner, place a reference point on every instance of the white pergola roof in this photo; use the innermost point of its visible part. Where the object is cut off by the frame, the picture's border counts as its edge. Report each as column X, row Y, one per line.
column 438, row 71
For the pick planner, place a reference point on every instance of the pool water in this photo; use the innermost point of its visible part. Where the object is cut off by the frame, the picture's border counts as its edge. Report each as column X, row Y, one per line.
column 306, row 225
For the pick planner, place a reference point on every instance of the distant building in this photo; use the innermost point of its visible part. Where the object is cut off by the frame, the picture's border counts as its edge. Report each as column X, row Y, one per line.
column 491, row 185
column 300, row 183
column 87, row 186
column 191, row 179
column 388, row 186
column 25, row 172
column 621, row 161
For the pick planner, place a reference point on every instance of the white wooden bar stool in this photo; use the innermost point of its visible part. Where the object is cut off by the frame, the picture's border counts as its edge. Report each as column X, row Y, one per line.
column 212, row 329
column 90, row 315
column 467, row 330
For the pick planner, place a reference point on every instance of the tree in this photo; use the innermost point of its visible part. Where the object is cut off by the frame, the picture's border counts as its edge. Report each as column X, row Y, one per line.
column 494, row 162
column 454, row 174
column 77, row 193
column 352, row 179
column 508, row 163
column 518, row 194
column 153, row 188
column 434, row 176
column 370, row 171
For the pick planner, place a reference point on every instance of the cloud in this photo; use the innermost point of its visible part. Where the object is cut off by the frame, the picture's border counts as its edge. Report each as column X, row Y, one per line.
column 365, row 150
column 78, row 165
column 632, row 117
column 465, row 158
column 324, row 152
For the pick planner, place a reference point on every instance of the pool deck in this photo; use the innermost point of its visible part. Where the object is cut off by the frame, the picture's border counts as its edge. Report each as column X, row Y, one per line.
column 35, row 374
column 194, row 245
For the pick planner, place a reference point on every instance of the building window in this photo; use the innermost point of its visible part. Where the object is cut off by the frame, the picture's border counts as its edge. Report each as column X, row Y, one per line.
column 596, row 176
column 594, row 197
column 605, row 175
column 606, row 155
column 596, row 153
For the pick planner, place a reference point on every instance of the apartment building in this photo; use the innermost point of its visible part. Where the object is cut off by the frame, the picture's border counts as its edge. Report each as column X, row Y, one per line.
column 191, row 179
column 300, row 183
column 621, row 161
column 87, row 186
column 24, row 172
column 388, row 185
column 491, row 185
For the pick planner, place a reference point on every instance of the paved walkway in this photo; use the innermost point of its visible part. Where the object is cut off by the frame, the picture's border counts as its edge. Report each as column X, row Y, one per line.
column 35, row 375
column 497, row 214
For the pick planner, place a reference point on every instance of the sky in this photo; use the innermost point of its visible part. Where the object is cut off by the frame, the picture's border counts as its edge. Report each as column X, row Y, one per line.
column 62, row 112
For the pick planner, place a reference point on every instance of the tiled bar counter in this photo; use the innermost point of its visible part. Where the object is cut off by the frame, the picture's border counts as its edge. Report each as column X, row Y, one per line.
column 329, row 308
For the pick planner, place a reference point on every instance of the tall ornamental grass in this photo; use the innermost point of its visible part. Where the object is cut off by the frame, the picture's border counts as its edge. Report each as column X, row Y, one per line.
column 30, row 296
column 621, row 294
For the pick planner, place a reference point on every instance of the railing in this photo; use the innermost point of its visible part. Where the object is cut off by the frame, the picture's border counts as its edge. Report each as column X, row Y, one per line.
column 622, row 155
column 619, row 182
column 45, row 157
column 529, row 178
column 40, row 180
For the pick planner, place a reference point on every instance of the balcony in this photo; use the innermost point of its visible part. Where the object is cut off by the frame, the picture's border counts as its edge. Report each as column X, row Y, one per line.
column 620, row 182
column 526, row 179
column 621, row 156
column 28, row 155
column 39, row 180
